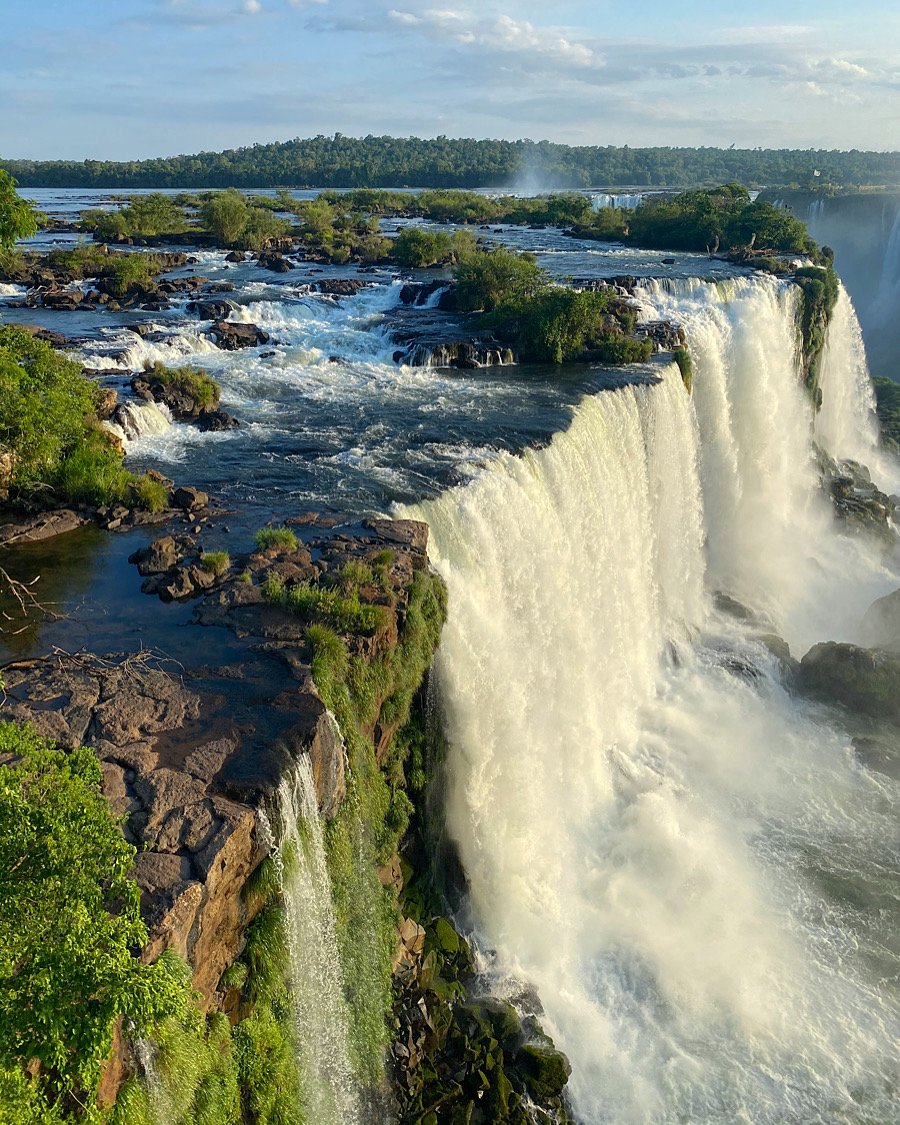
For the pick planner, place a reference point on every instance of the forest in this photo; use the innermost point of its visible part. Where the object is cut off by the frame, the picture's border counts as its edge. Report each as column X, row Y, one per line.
column 443, row 162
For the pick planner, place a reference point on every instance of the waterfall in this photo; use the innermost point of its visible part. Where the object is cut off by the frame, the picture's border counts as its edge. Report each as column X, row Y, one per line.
column 317, row 991
column 133, row 420
column 658, row 836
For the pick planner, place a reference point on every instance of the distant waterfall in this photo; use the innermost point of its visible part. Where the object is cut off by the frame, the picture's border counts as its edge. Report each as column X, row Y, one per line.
column 657, row 835
column 317, row 993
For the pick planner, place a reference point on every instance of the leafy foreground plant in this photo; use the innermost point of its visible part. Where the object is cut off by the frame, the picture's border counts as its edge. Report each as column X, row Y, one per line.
column 50, row 441
column 69, row 920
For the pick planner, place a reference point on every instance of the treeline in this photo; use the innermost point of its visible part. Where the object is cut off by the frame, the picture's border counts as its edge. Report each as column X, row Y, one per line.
column 443, row 162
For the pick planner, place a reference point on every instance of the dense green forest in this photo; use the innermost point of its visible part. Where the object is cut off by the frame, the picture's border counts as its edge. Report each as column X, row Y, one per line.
column 348, row 162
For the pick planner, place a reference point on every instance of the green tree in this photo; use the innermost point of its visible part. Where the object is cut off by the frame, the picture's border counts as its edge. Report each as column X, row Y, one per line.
column 225, row 214
column 18, row 218
column 487, row 280
column 69, row 920
column 416, row 248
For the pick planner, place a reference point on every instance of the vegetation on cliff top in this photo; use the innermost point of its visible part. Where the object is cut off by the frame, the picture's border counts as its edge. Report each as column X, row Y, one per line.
column 52, row 450
column 69, row 921
column 339, row 161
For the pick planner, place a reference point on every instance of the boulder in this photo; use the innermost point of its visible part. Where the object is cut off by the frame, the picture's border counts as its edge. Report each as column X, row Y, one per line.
column 864, row 680
column 211, row 310
column 236, row 256
column 163, row 554
column 341, row 286
column 188, row 498
column 231, row 337
column 881, row 624
column 544, row 1070
column 215, row 420
column 45, row 526
column 107, row 401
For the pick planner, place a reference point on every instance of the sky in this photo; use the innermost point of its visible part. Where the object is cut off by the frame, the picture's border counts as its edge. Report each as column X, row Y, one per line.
column 129, row 79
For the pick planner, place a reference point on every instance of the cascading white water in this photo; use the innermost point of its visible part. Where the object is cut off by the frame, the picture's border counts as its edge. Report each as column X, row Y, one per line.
column 134, row 420
column 769, row 528
column 847, row 425
column 317, row 993
column 656, row 833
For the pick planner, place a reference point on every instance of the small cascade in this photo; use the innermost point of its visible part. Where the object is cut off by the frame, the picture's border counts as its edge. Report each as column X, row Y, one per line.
column 457, row 353
column 162, row 1111
column 886, row 306
column 134, row 420
column 317, row 988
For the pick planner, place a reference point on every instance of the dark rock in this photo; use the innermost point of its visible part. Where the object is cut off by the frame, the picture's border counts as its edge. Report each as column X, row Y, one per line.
column 215, row 420
column 341, row 286
column 189, row 499
column 44, row 526
column 231, row 337
column 544, row 1070
column 163, row 554
column 236, row 256
column 211, row 310
column 863, row 680
column 221, row 287
column 107, row 401
column 881, row 624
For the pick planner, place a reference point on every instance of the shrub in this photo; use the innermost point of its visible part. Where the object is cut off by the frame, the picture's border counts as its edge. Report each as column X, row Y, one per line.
column 683, row 358
column 620, row 350
column 499, row 276
column 216, row 562
column 414, row 248
column 225, row 214
column 262, row 227
column 268, row 537
column 149, row 494
column 69, row 920
column 328, row 603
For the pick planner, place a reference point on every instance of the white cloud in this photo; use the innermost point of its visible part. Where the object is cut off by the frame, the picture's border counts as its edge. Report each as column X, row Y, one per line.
column 499, row 33
column 252, row 6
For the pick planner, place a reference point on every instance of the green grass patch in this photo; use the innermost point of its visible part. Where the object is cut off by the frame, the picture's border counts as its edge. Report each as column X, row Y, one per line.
column 683, row 358
column 216, row 562
column 328, row 603
column 192, row 381
column 268, row 537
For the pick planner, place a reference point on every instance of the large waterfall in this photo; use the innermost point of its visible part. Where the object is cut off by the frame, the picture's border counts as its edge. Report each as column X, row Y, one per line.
column 683, row 858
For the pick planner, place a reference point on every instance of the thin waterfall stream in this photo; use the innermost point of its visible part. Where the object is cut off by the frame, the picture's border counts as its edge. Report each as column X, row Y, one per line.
column 328, row 1084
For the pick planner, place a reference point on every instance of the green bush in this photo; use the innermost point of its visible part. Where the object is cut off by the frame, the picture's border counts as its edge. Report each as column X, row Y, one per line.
column 414, row 248
column 621, row 350
column 225, row 214
column 261, row 228
column 683, row 358
column 887, row 397
column 500, row 276
column 268, row 537
column 329, row 603
column 149, row 494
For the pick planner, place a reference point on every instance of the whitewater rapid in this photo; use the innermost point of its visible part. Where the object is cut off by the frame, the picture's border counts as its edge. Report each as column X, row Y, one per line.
column 683, row 858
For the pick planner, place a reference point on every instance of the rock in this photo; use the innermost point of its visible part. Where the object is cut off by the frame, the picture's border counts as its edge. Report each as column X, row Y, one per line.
column 231, row 337
column 858, row 504
column 44, row 526
column 215, row 420
column 40, row 333
column 107, row 401
column 275, row 262
column 188, row 498
column 341, row 286
column 236, row 256
column 221, row 287
column 545, row 1071
column 62, row 299
column 881, row 624
column 879, row 754
column 163, row 554
column 211, row 310
column 864, row 680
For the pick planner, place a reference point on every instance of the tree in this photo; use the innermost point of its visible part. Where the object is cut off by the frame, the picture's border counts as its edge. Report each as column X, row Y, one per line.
column 416, row 248
column 225, row 214
column 487, row 280
column 69, row 919
column 18, row 218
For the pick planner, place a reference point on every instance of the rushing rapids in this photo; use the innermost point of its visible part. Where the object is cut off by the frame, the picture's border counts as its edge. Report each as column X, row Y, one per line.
column 683, row 858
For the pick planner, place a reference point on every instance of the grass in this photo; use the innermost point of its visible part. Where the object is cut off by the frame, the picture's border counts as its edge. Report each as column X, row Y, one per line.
column 269, row 537
column 367, row 830
column 192, row 381
column 328, row 603
column 216, row 562
column 683, row 358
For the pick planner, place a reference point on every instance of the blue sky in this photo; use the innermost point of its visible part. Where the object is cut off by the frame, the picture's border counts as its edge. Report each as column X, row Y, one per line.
column 125, row 79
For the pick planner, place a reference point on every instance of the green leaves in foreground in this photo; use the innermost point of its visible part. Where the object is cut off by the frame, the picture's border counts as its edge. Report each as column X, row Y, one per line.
column 69, row 921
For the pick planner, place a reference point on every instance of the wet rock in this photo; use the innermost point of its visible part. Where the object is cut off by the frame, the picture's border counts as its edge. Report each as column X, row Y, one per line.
column 864, row 680
column 56, row 339
column 189, row 499
column 860, row 507
column 107, row 401
column 231, row 337
column 163, row 554
column 341, row 286
column 215, row 420
column 273, row 260
column 183, row 400
column 211, row 310
column 665, row 335
column 236, row 256
column 44, row 526
column 545, row 1071
column 881, row 624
